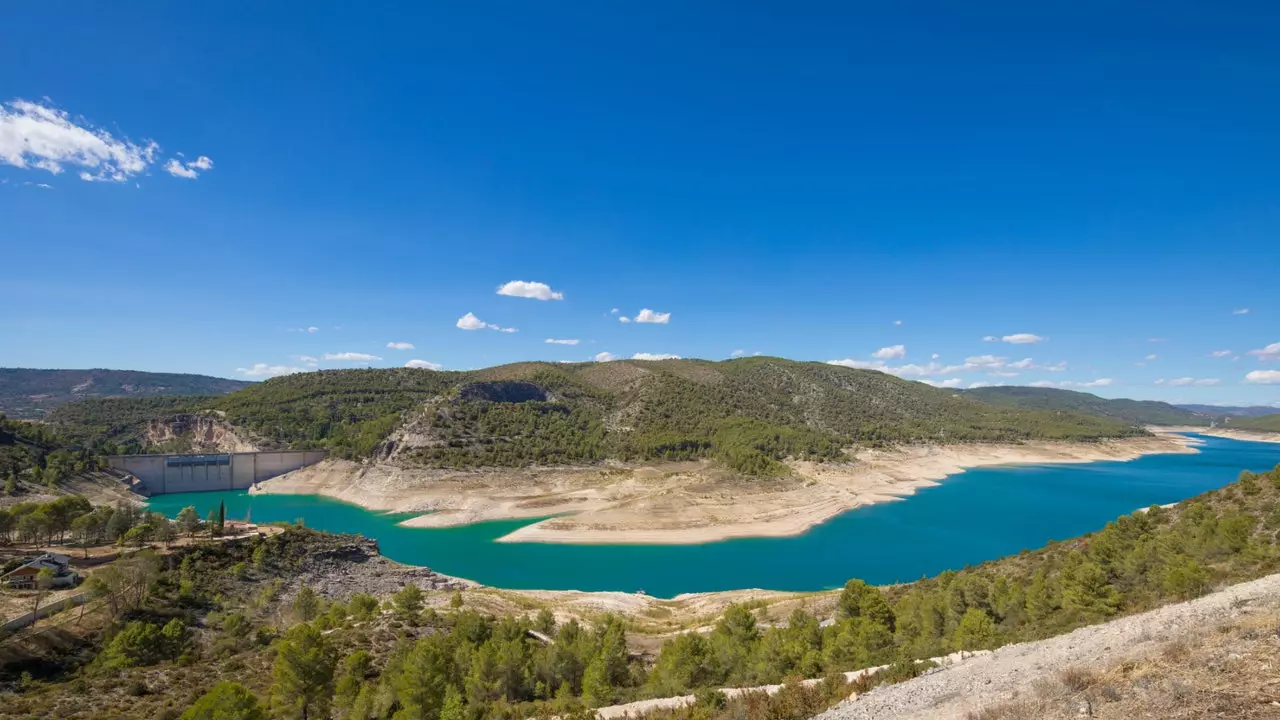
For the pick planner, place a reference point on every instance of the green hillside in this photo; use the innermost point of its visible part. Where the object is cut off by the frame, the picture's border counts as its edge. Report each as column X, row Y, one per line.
column 1134, row 412
column 27, row 394
column 1266, row 423
column 749, row 413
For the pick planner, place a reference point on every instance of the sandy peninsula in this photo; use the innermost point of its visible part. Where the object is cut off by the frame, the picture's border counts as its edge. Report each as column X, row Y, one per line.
column 678, row 503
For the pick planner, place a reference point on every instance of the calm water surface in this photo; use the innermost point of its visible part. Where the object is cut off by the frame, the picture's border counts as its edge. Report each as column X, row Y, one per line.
column 971, row 517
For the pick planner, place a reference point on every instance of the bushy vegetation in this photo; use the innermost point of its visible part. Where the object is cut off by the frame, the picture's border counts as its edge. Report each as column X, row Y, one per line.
column 117, row 426
column 307, row 656
column 32, row 453
column 750, row 413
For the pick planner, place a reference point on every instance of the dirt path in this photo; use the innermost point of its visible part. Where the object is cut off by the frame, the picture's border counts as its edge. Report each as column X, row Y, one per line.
column 1019, row 671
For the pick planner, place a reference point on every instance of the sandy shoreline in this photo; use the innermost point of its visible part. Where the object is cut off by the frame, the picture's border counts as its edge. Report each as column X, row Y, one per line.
column 679, row 503
column 1230, row 433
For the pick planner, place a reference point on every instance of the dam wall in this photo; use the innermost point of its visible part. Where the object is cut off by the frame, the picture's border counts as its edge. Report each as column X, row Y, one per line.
column 203, row 472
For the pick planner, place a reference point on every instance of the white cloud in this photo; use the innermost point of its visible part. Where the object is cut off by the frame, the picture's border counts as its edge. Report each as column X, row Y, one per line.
column 1240, row 311
column 400, row 345
column 613, row 311
column 313, row 329
column 35, row 136
column 982, row 384
column 993, row 365
column 190, row 170
column 737, row 353
column 897, row 322
column 1100, row 382
column 1268, row 353
column 624, row 319
column 1022, row 339
column 648, row 316
column 263, row 370
column 351, row 357
column 1263, row 377
column 654, row 356
column 309, row 360
column 951, row 383
column 531, row 290
column 471, row 322
column 1151, row 357
column 892, row 352
column 1220, row 353
column 990, row 338
column 935, row 356
column 553, row 341
column 604, row 357
column 423, row 365
column 1185, row 381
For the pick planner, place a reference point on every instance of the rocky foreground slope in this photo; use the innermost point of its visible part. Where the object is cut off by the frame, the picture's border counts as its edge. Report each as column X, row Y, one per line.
column 1216, row 656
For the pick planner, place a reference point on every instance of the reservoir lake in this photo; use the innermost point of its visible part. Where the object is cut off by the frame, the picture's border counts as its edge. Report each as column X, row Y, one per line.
column 969, row 518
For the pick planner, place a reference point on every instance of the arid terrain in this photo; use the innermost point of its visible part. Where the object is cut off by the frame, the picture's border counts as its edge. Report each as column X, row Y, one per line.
column 676, row 503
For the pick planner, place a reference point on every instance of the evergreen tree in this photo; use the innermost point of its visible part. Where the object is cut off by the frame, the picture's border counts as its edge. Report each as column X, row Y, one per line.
column 596, row 690
column 303, row 675
column 976, row 630
column 452, row 708
column 408, row 603
column 222, row 517
column 189, row 520
column 226, row 701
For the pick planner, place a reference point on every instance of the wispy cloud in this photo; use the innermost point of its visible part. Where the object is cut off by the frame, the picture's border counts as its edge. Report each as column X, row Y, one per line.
column 554, row 341
column 1220, row 353
column 313, row 329
column 897, row 322
column 471, row 322
column 400, row 345
column 1263, row 377
column 654, row 356
column 1188, row 381
column 188, row 170
column 1100, row 382
column 41, row 137
column 423, row 365
column 351, row 357
column 1268, row 353
column 604, row 357
column 737, row 353
column 1151, row 357
column 624, row 319
column 893, row 352
column 309, row 360
column 263, row 370
column 1023, row 339
column 993, row 365
column 1240, row 311
column 531, row 290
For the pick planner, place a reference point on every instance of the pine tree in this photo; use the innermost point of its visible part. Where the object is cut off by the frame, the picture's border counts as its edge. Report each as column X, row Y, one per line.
column 303, row 675
column 596, row 690
column 453, row 708
column 226, row 701
column 222, row 517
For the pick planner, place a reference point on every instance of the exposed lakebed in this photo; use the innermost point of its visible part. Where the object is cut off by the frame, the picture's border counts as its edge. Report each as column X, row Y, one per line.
column 971, row 517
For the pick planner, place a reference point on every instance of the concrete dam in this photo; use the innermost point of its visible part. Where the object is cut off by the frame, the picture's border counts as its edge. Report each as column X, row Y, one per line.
column 164, row 474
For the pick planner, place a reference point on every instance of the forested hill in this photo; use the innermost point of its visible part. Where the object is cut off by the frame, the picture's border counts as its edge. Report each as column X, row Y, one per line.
column 29, row 394
column 1266, row 423
column 1136, row 412
column 1232, row 411
column 748, row 413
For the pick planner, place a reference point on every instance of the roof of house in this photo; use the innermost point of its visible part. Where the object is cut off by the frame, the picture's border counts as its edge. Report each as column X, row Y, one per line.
column 55, row 562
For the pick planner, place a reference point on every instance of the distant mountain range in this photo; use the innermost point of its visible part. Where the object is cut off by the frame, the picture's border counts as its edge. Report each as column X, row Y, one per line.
column 1218, row 411
column 1135, row 412
column 28, row 394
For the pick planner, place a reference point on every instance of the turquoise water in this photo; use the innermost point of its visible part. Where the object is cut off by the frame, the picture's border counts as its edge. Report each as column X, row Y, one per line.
column 971, row 517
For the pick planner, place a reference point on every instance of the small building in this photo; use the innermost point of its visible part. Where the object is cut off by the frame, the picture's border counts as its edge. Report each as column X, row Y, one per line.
column 24, row 576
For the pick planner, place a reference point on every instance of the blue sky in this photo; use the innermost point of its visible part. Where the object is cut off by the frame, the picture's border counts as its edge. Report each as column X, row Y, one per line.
column 781, row 179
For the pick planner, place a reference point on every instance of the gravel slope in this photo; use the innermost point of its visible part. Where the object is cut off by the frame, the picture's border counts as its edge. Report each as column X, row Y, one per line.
column 1010, row 671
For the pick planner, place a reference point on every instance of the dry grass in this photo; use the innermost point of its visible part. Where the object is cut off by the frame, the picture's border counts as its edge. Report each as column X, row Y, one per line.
column 1230, row 671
